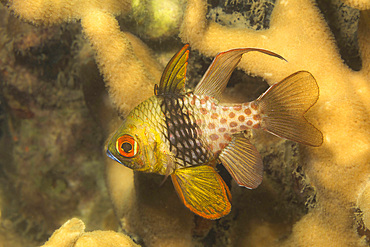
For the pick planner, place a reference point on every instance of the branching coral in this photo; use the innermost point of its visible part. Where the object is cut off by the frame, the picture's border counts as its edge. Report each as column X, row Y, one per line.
column 72, row 233
column 340, row 168
column 130, row 71
column 122, row 58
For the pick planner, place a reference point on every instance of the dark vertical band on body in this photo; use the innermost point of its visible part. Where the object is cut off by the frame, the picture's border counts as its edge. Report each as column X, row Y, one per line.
column 183, row 132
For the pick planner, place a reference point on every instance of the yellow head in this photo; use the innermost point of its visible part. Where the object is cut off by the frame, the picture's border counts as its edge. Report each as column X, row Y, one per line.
column 138, row 142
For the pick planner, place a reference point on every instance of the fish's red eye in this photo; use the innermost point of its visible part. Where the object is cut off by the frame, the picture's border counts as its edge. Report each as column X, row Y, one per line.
column 127, row 146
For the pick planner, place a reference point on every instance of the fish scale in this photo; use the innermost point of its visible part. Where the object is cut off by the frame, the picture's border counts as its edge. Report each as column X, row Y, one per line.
column 219, row 122
column 183, row 133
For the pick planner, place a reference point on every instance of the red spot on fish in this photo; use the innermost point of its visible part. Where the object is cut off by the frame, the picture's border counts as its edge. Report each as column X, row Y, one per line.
column 211, row 126
column 222, row 145
column 237, row 107
column 221, row 129
column 213, row 106
column 247, row 111
column 257, row 126
column 214, row 116
column 192, row 102
column 254, row 106
column 231, row 114
column 206, row 97
column 257, row 117
column 227, row 137
column 225, row 108
column 233, row 124
column 234, row 130
column 199, row 132
column 214, row 137
column 241, row 118
column 243, row 127
column 202, row 101
column 249, row 123
column 203, row 111
column 223, row 120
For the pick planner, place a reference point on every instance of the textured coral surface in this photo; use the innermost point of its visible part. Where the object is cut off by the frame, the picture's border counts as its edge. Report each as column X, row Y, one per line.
column 53, row 101
column 340, row 168
column 72, row 233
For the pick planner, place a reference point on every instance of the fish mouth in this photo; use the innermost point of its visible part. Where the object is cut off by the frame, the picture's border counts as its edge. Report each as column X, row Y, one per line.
column 110, row 155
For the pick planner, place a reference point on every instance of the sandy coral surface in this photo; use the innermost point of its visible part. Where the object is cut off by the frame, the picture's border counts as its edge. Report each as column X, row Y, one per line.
column 56, row 112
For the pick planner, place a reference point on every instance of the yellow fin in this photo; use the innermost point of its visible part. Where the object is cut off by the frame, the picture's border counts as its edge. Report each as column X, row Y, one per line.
column 243, row 162
column 203, row 191
column 174, row 75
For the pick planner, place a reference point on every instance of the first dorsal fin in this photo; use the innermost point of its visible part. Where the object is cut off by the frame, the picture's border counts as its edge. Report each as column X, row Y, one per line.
column 214, row 81
column 174, row 75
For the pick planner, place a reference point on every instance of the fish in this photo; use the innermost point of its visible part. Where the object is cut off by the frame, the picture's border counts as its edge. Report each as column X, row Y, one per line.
column 184, row 134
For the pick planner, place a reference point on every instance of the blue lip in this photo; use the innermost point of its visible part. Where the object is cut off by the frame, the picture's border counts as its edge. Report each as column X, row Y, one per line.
column 110, row 155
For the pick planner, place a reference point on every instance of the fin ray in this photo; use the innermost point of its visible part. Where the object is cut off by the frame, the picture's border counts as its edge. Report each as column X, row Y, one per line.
column 283, row 107
column 174, row 75
column 214, row 81
column 203, row 191
column 243, row 162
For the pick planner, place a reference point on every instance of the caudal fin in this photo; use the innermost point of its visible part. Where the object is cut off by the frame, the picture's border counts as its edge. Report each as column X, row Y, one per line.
column 283, row 107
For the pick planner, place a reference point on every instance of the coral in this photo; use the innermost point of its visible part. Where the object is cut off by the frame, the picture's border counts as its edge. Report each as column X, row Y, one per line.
column 331, row 180
column 123, row 59
column 340, row 168
column 363, row 204
column 157, row 19
column 128, row 68
column 358, row 4
column 72, row 233
column 50, row 166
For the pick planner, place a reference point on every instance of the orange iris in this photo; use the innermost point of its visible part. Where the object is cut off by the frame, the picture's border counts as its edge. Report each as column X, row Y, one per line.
column 127, row 146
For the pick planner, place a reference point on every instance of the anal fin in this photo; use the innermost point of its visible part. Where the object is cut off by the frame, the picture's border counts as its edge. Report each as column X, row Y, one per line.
column 243, row 162
column 203, row 191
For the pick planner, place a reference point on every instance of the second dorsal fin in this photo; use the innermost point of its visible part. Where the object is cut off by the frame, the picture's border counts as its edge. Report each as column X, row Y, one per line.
column 214, row 81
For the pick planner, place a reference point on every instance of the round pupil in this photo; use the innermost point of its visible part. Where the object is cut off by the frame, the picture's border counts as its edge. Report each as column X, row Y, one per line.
column 127, row 147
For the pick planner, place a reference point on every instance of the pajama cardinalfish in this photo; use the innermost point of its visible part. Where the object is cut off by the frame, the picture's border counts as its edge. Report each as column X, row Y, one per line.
column 185, row 134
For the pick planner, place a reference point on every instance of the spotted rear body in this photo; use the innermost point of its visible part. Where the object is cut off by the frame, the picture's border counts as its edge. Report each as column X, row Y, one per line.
column 218, row 122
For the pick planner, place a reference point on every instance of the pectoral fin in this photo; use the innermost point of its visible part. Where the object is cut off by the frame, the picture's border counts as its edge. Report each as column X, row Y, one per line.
column 203, row 191
column 243, row 162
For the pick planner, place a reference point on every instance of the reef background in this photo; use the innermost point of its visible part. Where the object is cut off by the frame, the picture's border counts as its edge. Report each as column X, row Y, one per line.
column 55, row 117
